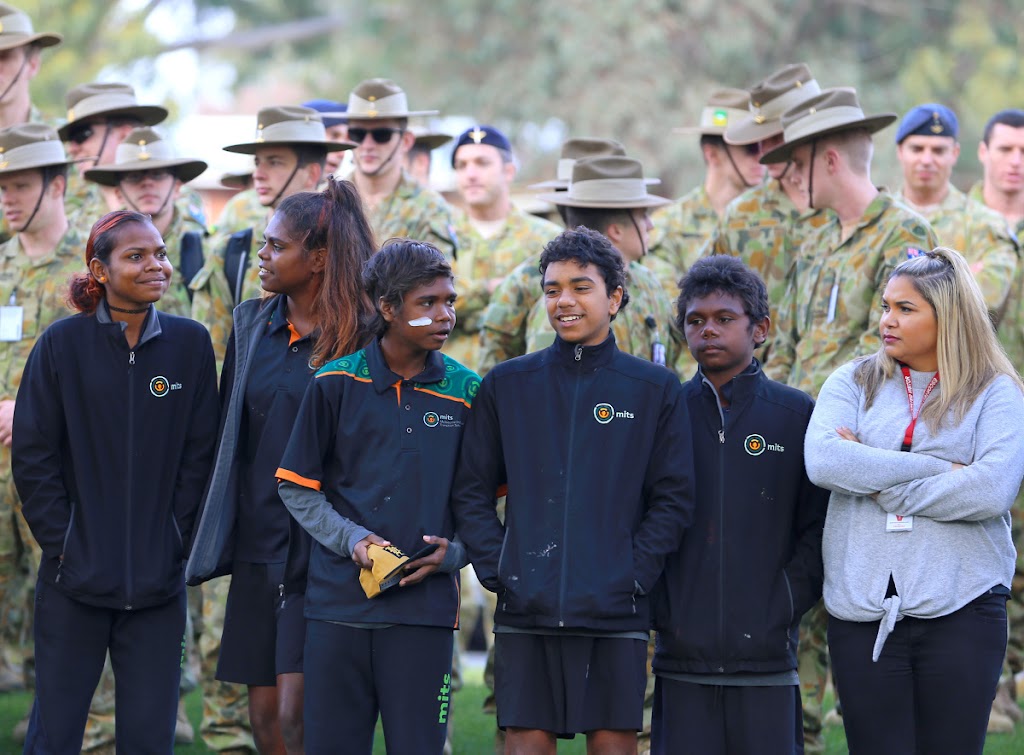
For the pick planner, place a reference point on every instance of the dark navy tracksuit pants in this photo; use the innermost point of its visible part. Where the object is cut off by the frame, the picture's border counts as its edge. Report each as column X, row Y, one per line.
column 71, row 644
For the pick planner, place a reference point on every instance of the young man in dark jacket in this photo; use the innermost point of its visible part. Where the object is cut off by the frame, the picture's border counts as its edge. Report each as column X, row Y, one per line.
column 728, row 606
column 592, row 446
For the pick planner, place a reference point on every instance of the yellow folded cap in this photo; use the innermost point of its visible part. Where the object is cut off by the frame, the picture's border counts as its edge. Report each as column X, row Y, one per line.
column 386, row 571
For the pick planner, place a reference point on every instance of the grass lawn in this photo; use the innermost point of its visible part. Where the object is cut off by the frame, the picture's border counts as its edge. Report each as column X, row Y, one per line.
column 474, row 732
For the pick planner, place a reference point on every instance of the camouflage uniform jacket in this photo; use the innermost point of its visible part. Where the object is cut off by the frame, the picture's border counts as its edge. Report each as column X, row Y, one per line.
column 981, row 235
column 40, row 287
column 831, row 310
column 212, row 299
column 84, row 202
column 1011, row 317
column 243, row 210
column 765, row 229
column 176, row 301
column 415, row 213
column 681, row 228
column 480, row 260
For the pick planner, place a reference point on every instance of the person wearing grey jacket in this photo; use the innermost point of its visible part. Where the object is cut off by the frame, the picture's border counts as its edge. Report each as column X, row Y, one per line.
column 917, row 550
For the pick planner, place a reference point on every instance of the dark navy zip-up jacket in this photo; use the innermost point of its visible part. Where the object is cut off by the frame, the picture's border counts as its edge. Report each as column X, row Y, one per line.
column 593, row 445
column 111, row 450
column 731, row 598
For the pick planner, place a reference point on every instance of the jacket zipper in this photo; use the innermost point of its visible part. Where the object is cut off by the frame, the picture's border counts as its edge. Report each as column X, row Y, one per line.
column 568, row 488
column 64, row 547
column 128, row 485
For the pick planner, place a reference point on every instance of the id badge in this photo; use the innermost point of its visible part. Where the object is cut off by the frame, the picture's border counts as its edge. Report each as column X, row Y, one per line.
column 897, row 523
column 11, row 319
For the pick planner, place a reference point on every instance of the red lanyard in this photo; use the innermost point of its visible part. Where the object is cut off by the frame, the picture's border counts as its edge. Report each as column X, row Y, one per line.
column 908, row 434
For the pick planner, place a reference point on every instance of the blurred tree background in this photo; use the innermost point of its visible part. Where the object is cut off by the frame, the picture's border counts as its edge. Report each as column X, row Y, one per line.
column 631, row 70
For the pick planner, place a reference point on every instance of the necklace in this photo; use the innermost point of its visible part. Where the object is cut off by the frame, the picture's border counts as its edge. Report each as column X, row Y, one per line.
column 127, row 311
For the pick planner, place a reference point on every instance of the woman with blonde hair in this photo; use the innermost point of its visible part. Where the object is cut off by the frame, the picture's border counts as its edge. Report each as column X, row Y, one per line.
column 917, row 549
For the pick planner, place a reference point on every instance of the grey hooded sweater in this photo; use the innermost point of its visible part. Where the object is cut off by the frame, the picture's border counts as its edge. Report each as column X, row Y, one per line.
column 959, row 545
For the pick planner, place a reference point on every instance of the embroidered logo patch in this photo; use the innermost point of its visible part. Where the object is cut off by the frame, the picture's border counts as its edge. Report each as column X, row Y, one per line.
column 755, row 445
column 159, row 386
column 604, row 413
column 430, row 419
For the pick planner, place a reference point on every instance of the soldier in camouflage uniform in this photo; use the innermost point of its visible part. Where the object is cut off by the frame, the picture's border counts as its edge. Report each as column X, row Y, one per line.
column 494, row 235
column 927, row 148
column 99, row 117
column 148, row 177
column 681, row 229
column 35, row 265
column 21, row 48
column 503, row 323
column 830, row 314
column 396, row 205
column 1001, row 153
column 289, row 154
column 243, row 210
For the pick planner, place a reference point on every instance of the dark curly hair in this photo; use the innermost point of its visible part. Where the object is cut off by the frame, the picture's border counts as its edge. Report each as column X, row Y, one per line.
column 586, row 247
column 400, row 266
column 726, row 275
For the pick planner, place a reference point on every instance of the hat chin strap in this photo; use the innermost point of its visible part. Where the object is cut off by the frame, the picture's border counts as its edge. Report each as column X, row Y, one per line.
column 389, row 158
column 14, row 81
column 735, row 167
column 160, row 209
column 39, row 202
column 284, row 188
column 639, row 236
column 810, row 175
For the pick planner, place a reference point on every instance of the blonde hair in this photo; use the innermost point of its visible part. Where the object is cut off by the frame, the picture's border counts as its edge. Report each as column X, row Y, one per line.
column 969, row 355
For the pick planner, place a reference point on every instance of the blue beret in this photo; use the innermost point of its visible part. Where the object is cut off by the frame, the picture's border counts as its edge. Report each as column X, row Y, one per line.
column 928, row 120
column 482, row 135
column 328, row 106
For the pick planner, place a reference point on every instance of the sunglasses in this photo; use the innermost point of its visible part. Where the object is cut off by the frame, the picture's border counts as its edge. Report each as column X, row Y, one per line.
column 379, row 135
column 137, row 177
column 81, row 134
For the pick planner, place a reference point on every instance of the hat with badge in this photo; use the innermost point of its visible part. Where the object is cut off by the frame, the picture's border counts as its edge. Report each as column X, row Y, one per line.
column 16, row 30
column 144, row 149
column 331, row 113
column 613, row 182
column 31, row 145
column 289, row 125
column 931, row 119
column 769, row 99
column 831, row 112
column 427, row 139
column 376, row 99
column 488, row 135
column 724, row 106
column 579, row 148
column 388, row 567
column 109, row 100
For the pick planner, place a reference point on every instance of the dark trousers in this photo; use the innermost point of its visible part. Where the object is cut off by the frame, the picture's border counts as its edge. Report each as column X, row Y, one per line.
column 718, row 720
column 932, row 688
column 72, row 640
column 402, row 673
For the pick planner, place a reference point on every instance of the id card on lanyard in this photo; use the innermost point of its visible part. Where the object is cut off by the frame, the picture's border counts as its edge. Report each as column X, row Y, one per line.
column 895, row 522
column 12, row 317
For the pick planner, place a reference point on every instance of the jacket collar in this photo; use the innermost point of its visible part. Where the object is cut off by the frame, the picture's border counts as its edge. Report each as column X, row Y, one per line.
column 150, row 326
column 590, row 357
column 737, row 390
column 383, row 378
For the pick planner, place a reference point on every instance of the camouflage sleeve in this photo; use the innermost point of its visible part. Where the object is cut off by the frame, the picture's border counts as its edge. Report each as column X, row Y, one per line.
column 212, row 304
column 503, row 324
column 472, row 302
column 437, row 227
column 993, row 261
column 778, row 363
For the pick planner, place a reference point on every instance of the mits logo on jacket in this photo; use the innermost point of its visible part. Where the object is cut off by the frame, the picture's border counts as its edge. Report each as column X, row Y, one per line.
column 605, row 413
column 161, row 386
column 755, row 445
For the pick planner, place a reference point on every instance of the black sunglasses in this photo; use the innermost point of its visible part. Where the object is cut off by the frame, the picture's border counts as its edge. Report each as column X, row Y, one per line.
column 379, row 135
column 82, row 134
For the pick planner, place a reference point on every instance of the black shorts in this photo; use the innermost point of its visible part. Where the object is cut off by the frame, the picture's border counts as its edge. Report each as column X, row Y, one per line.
column 291, row 634
column 569, row 684
column 248, row 646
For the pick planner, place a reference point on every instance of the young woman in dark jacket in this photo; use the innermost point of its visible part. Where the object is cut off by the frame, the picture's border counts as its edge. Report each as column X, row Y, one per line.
column 311, row 263
column 113, row 437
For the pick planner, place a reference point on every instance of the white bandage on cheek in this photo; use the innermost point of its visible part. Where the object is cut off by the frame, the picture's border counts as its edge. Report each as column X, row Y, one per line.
column 420, row 322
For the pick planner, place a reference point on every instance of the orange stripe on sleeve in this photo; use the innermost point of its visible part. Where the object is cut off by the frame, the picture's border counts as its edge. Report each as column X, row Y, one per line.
column 456, row 399
column 284, row 475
